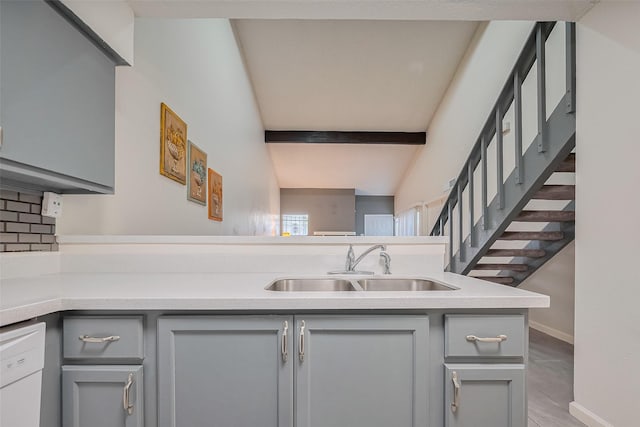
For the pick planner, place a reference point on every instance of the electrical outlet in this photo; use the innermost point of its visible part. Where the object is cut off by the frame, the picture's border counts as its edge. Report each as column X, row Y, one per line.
column 51, row 205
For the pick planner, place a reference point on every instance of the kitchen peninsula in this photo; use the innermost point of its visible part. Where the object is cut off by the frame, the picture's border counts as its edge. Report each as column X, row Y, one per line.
column 193, row 315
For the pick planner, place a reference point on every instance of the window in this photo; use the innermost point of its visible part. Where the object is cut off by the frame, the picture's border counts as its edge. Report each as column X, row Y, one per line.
column 295, row 225
column 408, row 223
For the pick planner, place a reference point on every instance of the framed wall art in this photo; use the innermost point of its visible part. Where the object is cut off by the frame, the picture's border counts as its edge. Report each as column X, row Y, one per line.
column 197, row 176
column 173, row 145
column 215, row 195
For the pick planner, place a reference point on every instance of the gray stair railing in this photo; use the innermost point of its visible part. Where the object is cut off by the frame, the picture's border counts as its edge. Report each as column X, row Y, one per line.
column 554, row 141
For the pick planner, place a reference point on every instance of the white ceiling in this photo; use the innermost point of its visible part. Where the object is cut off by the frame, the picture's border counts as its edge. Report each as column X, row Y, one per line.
column 385, row 69
column 349, row 75
column 375, row 170
column 458, row 10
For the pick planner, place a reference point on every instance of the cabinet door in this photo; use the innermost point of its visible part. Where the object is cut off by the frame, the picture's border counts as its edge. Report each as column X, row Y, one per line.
column 95, row 396
column 485, row 395
column 229, row 371
column 361, row 371
column 57, row 105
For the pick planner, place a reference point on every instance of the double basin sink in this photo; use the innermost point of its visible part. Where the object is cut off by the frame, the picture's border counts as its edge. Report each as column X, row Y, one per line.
column 374, row 284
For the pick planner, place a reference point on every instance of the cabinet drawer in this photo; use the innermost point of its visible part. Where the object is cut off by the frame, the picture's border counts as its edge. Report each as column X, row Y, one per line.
column 108, row 337
column 460, row 330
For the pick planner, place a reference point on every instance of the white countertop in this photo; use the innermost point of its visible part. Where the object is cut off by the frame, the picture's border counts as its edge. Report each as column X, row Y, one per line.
column 28, row 297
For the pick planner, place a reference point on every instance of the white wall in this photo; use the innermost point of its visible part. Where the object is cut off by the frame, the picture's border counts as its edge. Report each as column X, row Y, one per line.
column 607, row 324
column 463, row 111
column 194, row 66
column 112, row 20
column 556, row 279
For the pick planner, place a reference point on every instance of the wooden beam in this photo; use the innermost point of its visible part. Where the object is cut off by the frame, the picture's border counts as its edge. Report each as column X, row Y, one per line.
column 530, row 253
column 503, row 280
column 502, row 267
column 556, row 192
column 568, row 164
column 346, row 137
column 532, row 235
column 546, row 216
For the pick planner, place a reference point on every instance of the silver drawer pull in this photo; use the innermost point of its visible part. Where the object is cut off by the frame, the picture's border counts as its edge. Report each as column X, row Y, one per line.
column 301, row 342
column 498, row 339
column 98, row 340
column 285, row 345
column 128, row 407
column 456, row 392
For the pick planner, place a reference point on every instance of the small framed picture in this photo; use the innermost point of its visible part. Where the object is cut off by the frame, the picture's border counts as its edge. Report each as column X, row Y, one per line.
column 215, row 195
column 197, row 171
column 173, row 145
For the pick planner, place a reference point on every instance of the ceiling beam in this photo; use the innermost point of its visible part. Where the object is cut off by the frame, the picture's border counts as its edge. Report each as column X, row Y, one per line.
column 344, row 137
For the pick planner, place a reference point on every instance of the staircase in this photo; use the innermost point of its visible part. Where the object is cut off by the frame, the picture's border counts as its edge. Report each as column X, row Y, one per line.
column 531, row 218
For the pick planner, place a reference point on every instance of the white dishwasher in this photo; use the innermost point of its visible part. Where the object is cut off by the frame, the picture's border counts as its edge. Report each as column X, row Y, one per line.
column 22, row 358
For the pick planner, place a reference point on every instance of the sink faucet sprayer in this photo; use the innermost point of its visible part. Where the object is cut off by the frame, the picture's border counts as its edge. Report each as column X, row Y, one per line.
column 351, row 262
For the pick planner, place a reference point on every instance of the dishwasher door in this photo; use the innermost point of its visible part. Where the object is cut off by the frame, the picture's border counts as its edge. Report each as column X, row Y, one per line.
column 22, row 358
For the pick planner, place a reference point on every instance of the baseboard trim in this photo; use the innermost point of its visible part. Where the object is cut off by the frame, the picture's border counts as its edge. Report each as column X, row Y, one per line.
column 563, row 336
column 586, row 416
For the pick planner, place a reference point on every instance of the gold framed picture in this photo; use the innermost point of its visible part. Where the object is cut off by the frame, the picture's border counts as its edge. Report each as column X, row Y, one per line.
column 197, row 168
column 215, row 195
column 173, row 145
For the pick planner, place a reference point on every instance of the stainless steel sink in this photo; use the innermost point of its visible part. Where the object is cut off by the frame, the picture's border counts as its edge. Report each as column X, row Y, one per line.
column 311, row 285
column 402, row 284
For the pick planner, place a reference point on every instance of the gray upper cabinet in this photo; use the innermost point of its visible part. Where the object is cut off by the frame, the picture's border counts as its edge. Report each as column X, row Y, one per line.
column 102, row 396
column 225, row 371
column 57, row 103
column 362, row 371
column 485, row 395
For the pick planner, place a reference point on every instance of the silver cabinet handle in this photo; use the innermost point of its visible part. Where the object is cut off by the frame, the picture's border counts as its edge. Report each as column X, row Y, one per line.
column 98, row 340
column 456, row 392
column 128, row 407
column 284, row 345
column 498, row 339
column 301, row 342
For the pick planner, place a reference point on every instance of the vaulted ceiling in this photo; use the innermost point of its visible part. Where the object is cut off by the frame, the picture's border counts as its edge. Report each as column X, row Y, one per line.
column 349, row 75
column 378, row 65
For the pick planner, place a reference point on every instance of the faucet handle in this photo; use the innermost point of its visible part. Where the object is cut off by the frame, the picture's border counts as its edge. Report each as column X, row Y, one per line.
column 386, row 258
column 348, row 266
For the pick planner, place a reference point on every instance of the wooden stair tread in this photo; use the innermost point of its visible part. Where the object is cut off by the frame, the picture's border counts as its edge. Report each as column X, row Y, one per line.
column 532, row 235
column 509, row 267
column 531, row 253
column 546, row 216
column 503, row 280
column 556, row 192
column 568, row 164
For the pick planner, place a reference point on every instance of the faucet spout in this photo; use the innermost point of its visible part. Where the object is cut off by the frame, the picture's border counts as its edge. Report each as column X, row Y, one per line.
column 365, row 253
column 351, row 261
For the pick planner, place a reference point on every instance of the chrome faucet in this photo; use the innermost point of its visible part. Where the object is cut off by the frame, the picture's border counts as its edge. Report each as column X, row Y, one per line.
column 351, row 262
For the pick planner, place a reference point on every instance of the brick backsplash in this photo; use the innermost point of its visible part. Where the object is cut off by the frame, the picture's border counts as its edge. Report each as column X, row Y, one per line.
column 22, row 228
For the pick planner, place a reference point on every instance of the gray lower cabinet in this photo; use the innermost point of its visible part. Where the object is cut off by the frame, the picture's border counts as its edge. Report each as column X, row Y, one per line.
column 235, row 371
column 362, row 371
column 229, row 371
column 102, row 396
column 485, row 395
